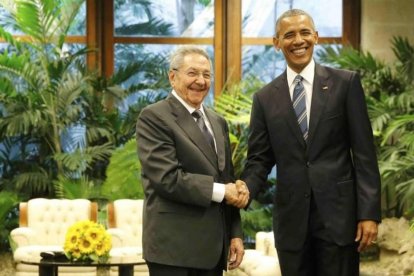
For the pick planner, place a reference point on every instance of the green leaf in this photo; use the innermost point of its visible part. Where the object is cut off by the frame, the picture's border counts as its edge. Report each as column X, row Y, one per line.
column 123, row 174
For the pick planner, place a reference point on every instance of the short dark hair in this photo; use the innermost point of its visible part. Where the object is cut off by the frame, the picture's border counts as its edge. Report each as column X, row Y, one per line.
column 290, row 13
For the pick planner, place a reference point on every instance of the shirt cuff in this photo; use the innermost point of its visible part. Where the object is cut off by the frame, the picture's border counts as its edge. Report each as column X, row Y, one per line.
column 219, row 190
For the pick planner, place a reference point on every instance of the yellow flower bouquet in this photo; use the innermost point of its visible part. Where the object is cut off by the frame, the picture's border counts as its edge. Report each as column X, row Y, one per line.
column 87, row 241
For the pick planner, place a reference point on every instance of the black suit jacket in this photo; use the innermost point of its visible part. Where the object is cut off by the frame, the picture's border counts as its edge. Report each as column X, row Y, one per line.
column 337, row 163
column 182, row 226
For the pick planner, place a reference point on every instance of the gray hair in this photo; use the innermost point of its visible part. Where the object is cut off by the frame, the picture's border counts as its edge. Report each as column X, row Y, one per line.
column 177, row 57
column 290, row 13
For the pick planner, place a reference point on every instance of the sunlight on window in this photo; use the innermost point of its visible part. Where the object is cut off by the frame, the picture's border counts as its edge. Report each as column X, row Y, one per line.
column 260, row 22
column 164, row 18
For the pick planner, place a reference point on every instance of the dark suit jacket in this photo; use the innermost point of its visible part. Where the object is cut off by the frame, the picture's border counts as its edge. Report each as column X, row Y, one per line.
column 182, row 226
column 338, row 163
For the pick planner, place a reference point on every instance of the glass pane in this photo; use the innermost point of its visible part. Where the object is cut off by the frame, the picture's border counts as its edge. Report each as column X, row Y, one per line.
column 260, row 22
column 164, row 18
column 153, row 75
column 5, row 19
column 264, row 63
column 5, row 47
column 78, row 26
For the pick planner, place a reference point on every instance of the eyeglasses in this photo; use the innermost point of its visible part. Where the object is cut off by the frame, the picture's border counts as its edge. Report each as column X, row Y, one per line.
column 195, row 74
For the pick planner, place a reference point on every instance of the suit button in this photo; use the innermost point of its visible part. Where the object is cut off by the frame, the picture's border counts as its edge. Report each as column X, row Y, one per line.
column 307, row 195
column 308, row 164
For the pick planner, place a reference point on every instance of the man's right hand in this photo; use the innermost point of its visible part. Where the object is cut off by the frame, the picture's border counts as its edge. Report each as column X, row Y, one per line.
column 237, row 194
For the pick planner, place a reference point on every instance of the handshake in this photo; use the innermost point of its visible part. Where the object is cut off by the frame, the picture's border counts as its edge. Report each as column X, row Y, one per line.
column 237, row 194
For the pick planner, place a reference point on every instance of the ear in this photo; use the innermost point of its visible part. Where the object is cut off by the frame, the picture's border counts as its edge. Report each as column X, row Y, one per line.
column 276, row 43
column 316, row 37
column 171, row 77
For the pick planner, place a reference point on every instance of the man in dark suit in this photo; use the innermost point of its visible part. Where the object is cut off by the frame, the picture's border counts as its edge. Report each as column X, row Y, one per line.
column 316, row 130
column 185, row 156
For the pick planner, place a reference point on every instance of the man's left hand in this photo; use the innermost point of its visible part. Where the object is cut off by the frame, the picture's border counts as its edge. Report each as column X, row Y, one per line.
column 367, row 231
column 236, row 253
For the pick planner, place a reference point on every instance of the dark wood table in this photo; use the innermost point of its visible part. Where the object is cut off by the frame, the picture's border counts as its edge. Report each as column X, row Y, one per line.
column 49, row 267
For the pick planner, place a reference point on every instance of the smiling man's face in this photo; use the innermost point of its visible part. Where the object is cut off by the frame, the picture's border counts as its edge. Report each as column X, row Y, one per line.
column 296, row 37
column 189, row 80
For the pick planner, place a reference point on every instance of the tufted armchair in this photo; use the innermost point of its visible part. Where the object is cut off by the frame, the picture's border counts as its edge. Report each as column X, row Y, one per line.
column 125, row 226
column 261, row 261
column 43, row 224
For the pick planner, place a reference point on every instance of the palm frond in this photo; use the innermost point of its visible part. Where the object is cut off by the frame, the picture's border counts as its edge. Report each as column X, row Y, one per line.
column 14, row 64
column 350, row 58
column 82, row 159
column 73, row 188
column 21, row 123
column 124, row 72
column 46, row 21
column 235, row 108
column 28, row 19
column 401, row 103
column 123, row 174
column 8, row 37
column 7, row 88
column 398, row 126
column 152, row 27
column 66, row 15
column 404, row 52
column 33, row 181
column 96, row 133
column 8, row 200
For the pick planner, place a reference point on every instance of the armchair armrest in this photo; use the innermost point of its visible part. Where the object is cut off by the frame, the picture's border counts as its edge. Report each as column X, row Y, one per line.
column 119, row 237
column 24, row 236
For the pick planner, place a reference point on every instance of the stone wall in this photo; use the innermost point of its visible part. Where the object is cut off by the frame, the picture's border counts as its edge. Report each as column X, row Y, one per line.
column 381, row 20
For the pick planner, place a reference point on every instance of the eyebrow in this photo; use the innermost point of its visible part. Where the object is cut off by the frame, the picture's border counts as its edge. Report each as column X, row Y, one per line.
column 300, row 31
column 195, row 69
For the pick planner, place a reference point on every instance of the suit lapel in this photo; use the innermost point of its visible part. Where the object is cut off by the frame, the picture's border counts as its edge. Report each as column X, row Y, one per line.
column 320, row 94
column 285, row 103
column 186, row 122
column 218, row 136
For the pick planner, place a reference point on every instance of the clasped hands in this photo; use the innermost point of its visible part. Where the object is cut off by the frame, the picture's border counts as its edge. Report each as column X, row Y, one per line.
column 237, row 194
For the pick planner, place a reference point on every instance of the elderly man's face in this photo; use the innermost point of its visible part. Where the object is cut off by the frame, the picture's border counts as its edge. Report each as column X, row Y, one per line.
column 192, row 80
column 296, row 38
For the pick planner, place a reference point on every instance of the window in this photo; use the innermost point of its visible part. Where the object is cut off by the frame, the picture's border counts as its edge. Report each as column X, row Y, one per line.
column 237, row 33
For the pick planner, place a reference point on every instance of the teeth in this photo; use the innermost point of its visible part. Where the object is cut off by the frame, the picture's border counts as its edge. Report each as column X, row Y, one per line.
column 299, row 51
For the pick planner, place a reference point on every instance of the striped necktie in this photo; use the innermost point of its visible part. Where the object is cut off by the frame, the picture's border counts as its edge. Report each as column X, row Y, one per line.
column 299, row 104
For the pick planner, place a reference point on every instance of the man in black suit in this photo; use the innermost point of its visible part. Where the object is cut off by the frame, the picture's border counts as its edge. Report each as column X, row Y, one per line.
column 185, row 156
column 316, row 130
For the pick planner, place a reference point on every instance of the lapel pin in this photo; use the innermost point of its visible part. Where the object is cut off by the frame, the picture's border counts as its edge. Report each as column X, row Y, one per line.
column 325, row 88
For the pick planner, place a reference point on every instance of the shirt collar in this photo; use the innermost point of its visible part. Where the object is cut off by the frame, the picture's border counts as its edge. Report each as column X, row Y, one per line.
column 307, row 73
column 186, row 105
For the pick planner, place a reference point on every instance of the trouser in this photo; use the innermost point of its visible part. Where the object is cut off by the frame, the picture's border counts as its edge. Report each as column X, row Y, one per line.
column 319, row 255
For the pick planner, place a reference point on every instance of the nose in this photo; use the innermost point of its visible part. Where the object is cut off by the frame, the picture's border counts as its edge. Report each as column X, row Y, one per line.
column 200, row 78
column 298, row 38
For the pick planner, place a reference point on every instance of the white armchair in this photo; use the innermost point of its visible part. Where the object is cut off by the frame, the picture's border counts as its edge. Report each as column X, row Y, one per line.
column 43, row 225
column 125, row 226
column 262, row 261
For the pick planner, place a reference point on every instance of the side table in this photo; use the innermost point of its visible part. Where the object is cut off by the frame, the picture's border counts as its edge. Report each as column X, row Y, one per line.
column 50, row 267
